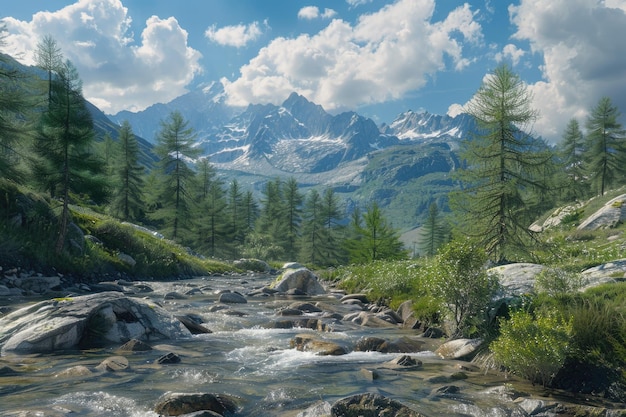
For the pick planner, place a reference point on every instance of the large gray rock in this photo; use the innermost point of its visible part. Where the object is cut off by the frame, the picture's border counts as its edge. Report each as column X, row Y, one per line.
column 300, row 279
column 103, row 318
column 517, row 279
column 176, row 404
column 459, row 348
column 609, row 272
column 371, row 405
column 608, row 216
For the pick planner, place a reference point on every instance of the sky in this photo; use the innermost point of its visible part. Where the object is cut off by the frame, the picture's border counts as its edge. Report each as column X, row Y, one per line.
column 377, row 57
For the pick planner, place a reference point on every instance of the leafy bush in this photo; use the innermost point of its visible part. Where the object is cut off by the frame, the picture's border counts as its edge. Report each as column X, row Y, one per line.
column 459, row 279
column 534, row 347
column 558, row 282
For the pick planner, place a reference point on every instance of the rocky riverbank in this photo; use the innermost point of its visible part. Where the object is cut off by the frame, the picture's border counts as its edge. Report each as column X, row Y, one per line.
column 141, row 324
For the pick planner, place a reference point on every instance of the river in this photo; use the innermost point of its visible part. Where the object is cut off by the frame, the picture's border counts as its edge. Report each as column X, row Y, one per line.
column 244, row 358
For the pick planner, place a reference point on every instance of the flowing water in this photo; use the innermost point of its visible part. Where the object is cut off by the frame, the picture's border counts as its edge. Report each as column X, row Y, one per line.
column 244, row 358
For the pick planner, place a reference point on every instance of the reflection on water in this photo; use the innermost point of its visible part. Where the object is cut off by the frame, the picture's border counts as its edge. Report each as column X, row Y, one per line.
column 241, row 358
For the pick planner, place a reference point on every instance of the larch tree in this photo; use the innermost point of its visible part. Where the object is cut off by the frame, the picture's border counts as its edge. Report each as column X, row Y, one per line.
column 236, row 213
column 606, row 147
column 313, row 233
column 48, row 56
column 64, row 161
column 175, row 148
column 127, row 200
column 332, row 215
column 293, row 216
column 433, row 233
column 571, row 150
column 504, row 165
column 13, row 128
column 373, row 238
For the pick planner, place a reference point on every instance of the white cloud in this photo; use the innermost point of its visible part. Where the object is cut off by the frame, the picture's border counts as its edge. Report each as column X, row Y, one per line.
column 355, row 3
column 117, row 72
column 382, row 57
column 236, row 35
column 584, row 57
column 309, row 13
column 313, row 12
column 511, row 53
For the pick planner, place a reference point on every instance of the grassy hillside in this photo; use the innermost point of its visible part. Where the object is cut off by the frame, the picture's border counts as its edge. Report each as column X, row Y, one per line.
column 99, row 246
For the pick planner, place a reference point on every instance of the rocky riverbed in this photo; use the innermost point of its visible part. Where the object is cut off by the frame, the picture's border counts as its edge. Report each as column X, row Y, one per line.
column 242, row 345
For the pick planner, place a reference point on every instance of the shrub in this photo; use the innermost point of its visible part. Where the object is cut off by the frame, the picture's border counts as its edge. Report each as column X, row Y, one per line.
column 558, row 282
column 458, row 277
column 534, row 348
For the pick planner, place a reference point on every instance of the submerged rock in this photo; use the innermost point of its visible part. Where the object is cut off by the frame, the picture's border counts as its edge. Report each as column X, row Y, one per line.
column 86, row 321
column 176, row 404
column 308, row 343
column 371, row 405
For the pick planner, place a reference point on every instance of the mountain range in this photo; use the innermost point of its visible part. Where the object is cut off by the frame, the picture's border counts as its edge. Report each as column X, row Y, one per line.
column 403, row 165
column 348, row 152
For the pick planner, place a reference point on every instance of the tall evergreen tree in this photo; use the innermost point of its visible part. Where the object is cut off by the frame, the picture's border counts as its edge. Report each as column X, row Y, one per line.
column 433, row 231
column 312, row 248
column 64, row 160
column 13, row 128
column 236, row 213
column 174, row 148
column 332, row 215
column 606, row 147
column 48, row 56
column 271, row 220
column 127, row 201
column 293, row 211
column 374, row 238
column 250, row 209
column 214, row 224
column 571, row 150
column 503, row 165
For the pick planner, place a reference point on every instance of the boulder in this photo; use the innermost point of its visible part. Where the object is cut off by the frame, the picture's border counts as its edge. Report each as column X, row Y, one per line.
column 517, row 279
column 176, row 404
column 609, row 272
column 114, row 364
column 134, row 345
column 300, row 279
column 376, row 344
column 308, row 343
column 612, row 213
column 404, row 362
column 232, row 298
column 255, row 265
column 40, row 285
column 458, row 348
column 86, row 321
column 192, row 325
column 74, row 371
column 369, row 320
column 292, row 265
column 371, row 405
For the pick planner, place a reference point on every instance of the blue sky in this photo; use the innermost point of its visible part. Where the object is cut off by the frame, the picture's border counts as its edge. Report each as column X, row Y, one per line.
column 377, row 57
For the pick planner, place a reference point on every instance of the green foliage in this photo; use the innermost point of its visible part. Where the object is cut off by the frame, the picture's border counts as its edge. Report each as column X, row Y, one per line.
column 394, row 281
column 372, row 237
column 457, row 277
column 506, row 168
column 606, row 153
column 175, row 178
column 534, row 347
column 557, row 282
column 433, row 231
column 571, row 150
column 127, row 199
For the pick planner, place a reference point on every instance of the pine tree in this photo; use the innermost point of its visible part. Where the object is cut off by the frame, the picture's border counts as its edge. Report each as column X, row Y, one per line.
column 571, row 150
column 606, row 149
column 48, row 56
column 127, row 201
column 64, row 162
column 503, row 165
column 271, row 220
column 236, row 213
column 433, row 231
column 313, row 232
column 373, row 238
column 250, row 212
column 174, row 148
column 293, row 211
column 332, row 215
column 13, row 127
